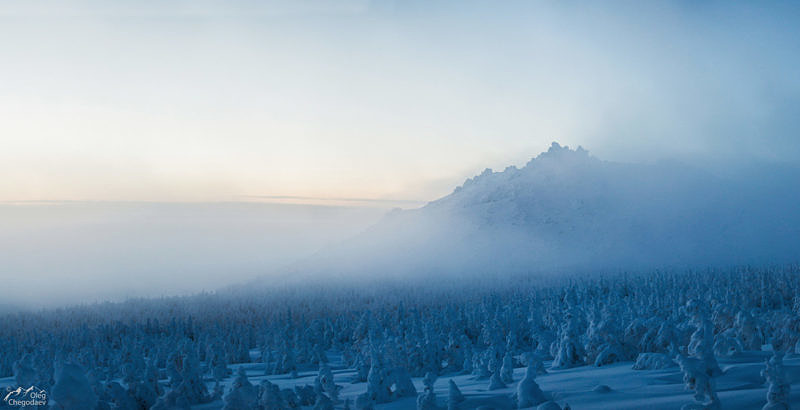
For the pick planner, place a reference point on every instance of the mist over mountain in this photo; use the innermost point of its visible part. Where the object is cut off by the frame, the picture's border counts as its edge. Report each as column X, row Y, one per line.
column 567, row 210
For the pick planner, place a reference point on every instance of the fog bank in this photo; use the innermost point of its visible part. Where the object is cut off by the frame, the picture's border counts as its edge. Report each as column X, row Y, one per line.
column 73, row 252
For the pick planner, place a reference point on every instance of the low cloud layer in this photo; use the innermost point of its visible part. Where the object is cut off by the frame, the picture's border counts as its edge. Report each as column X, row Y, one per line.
column 64, row 253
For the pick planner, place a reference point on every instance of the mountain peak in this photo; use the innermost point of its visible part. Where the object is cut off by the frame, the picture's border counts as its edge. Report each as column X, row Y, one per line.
column 561, row 152
column 557, row 158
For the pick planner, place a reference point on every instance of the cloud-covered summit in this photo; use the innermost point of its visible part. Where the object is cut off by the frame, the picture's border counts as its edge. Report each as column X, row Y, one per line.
column 568, row 210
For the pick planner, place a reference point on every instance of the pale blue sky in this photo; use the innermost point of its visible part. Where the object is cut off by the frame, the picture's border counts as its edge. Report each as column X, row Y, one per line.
column 208, row 101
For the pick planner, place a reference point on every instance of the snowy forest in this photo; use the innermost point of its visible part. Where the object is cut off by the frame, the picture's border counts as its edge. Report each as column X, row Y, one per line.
column 714, row 339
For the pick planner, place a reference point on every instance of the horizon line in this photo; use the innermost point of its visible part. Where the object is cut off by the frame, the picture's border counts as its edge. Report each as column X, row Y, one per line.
column 341, row 199
column 276, row 197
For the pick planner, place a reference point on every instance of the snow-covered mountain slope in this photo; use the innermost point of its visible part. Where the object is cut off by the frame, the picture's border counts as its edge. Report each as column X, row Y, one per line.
column 567, row 210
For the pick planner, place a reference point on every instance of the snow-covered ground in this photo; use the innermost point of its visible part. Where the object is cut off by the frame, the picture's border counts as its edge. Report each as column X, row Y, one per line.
column 740, row 387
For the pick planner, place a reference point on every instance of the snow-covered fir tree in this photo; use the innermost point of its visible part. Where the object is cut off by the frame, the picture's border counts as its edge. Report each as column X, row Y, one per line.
column 427, row 399
column 779, row 387
column 242, row 394
column 454, row 395
column 698, row 379
column 528, row 393
column 72, row 390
